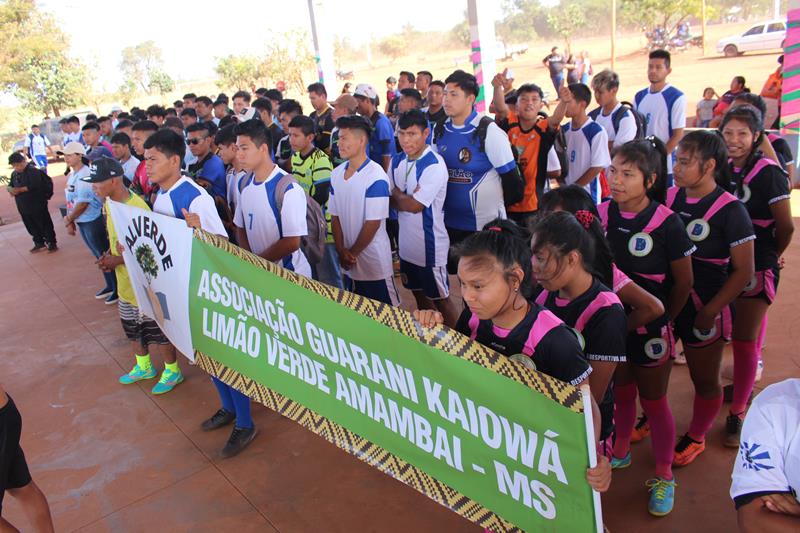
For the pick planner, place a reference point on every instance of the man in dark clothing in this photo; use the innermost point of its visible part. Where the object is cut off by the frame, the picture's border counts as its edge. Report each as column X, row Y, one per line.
column 555, row 63
column 31, row 188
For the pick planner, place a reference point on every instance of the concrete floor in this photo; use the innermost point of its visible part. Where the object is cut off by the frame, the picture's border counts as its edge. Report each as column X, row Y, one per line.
column 114, row 458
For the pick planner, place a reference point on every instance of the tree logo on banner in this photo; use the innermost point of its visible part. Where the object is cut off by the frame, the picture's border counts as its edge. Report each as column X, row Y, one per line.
column 158, row 300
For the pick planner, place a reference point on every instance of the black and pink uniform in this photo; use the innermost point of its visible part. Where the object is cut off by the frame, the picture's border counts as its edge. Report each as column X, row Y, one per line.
column 763, row 184
column 644, row 245
column 542, row 336
column 715, row 223
column 599, row 321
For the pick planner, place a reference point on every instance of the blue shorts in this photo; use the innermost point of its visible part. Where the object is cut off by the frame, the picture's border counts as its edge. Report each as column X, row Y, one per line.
column 382, row 290
column 432, row 281
column 40, row 161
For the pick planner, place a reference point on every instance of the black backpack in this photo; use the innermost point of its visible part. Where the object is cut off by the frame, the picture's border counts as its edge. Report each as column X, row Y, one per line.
column 616, row 118
column 479, row 133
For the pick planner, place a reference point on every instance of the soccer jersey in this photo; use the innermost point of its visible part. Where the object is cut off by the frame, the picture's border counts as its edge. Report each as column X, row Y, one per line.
column 381, row 141
column 323, row 126
column 715, row 223
column 312, row 169
column 258, row 213
column 644, row 244
column 423, row 238
column 283, row 151
column 769, row 451
column 36, row 144
column 141, row 181
column 587, row 147
column 212, row 169
column 129, row 167
column 364, row 196
column 233, row 179
column 763, row 184
column 532, row 150
column 336, row 159
column 124, row 288
column 474, row 191
column 79, row 191
column 627, row 125
column 186, row 194
column 547, row 341
column 664, row 112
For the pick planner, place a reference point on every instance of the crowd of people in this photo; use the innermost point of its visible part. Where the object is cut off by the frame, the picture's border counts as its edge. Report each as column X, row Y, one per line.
column 593, row 246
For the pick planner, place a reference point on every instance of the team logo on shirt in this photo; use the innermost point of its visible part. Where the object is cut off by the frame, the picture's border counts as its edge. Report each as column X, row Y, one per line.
column 640, row 244
column 753, row 458
column 524, row 360
column 464, row 155
column 698, row 229
column 655, row 348
column 746, row 193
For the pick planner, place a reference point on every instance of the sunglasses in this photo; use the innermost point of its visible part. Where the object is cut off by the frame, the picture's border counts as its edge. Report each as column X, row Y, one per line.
column 196, row 140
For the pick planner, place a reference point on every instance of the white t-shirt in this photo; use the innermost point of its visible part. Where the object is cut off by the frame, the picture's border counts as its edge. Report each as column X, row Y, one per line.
column 365, row 196
column 627, row 126
column 769, row 453
column 664, row 112
column 232, row 183
column 186, row 194
column 129, row 167
column 37, row 144
column 586, row 147
column 257, row 213
column 423, row 238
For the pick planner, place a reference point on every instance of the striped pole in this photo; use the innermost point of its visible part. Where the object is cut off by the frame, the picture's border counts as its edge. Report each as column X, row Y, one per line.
column 790, row 99
column 323, row 49
column 484, row 49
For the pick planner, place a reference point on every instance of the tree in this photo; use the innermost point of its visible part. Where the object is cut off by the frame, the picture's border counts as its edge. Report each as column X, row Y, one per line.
column 239, row 72
column 460, row 32
column 664, row 13
column 59, row 84
column 161, row 82
column 288, row 57
column 141, row 64
column 392, row 46
column 567, row 21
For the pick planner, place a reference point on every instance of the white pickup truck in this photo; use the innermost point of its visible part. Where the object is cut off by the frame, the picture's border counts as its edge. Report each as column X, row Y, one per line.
column 762, row 36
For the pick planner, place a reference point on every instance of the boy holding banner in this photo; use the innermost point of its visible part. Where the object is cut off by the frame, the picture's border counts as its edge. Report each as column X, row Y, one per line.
column 180, row 197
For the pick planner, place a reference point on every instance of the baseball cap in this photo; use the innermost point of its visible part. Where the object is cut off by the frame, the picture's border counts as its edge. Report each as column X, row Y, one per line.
column 246, row 114
column 115, row 108
column 73, row 147
column 366, row 90
column 103, row 169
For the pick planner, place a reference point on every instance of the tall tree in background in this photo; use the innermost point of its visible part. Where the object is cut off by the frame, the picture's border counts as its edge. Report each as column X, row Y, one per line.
column 288, row 58
column 665, row 13
column 142, row 64
column 239, row 72
column 58, row 85
column 567, row 22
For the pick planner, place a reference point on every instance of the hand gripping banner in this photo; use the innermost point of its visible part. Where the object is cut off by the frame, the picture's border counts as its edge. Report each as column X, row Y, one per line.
column 502, row 445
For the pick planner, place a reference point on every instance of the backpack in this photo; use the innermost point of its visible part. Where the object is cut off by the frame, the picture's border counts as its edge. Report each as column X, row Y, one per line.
column 313, row 244
column 616, row 118
column 479, row 133
column 47, row 182
column 560, row 146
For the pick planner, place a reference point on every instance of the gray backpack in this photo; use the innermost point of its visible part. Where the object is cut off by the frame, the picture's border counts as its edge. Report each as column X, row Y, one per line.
column 313, row 244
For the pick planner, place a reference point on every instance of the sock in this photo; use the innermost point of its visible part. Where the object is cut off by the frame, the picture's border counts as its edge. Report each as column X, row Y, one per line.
column 224, row 395
column 242, row 405
column 745, row 364
column 705, row 411
column 761, row 336
column 662, row 434
column 144, row 361
column 173, row 367
column 624, row 417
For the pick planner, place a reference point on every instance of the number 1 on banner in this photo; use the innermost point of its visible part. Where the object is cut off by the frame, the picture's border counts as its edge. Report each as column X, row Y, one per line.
column 592, row 448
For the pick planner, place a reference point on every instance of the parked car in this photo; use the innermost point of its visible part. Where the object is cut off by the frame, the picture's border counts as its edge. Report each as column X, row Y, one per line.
column 762, row 36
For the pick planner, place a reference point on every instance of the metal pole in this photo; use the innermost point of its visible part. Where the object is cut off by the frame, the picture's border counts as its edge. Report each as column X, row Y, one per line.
column 323, row 50
column 613, row 34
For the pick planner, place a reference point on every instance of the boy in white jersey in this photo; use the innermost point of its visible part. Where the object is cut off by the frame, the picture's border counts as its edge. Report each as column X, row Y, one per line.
column 180, row 197
column 271, row 214
column 419, row 176
column 359, row 206
column 663, row 106
column 618, row 121
column 587, row 143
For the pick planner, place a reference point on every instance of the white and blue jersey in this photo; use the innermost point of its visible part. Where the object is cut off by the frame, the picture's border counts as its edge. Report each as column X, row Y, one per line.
column 474, row 190
column 381, row 141
column 186, row 194
column 258, row 215
column 587, row 147
column 423, row 238
column 664, row 111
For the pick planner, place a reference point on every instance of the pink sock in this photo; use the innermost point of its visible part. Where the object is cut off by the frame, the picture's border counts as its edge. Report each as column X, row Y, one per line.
column 705, row 411
column 761, row 336
column 745, row 363
column 662, row 431
column 624, row 417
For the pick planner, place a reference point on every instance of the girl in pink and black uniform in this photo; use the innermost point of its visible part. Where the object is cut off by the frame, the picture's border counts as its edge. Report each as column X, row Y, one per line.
column 494, row 269
column 763, row 187
column 719, row 226
column 651, row 247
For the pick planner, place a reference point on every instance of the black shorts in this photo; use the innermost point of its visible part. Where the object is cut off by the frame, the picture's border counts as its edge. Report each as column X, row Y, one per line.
column 139, row 328
column 456, row 236
column 14, row 473
column 651, row 346
column 763, row 284
column 690, row 336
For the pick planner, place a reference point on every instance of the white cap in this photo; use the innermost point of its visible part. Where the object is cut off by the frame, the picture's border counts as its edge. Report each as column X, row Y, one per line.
column 366, row 90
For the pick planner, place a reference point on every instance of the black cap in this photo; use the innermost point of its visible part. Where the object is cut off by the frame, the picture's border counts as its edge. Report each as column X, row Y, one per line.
column 103, row 169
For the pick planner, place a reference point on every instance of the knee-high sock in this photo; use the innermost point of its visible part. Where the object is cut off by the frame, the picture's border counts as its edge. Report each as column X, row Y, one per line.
column 662, row 434
column 761, row 336
column 242, row 405
column 705, row 411
column 624, row 417
column 224, row 392
column 745, row 364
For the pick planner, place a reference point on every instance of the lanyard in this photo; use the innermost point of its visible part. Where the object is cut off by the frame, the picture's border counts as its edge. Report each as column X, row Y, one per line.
column 409, row 168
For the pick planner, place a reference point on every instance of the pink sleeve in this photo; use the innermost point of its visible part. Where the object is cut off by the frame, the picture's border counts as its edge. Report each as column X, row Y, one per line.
column 619, row 279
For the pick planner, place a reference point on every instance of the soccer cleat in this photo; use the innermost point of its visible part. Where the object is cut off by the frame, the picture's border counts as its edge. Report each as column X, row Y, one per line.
column 169, row 380
column 733, row 430
column 137, row 374
column 619, row 464
column 218, row 419
column 641, row 430
column 662, row 496
column 687, row 450
column 103, row 293
column 239, row 440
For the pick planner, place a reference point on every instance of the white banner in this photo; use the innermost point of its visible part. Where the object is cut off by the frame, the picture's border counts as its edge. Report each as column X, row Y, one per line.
column 158, row 251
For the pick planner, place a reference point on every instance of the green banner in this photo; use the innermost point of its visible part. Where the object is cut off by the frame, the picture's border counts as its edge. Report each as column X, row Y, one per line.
column 501, row 443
